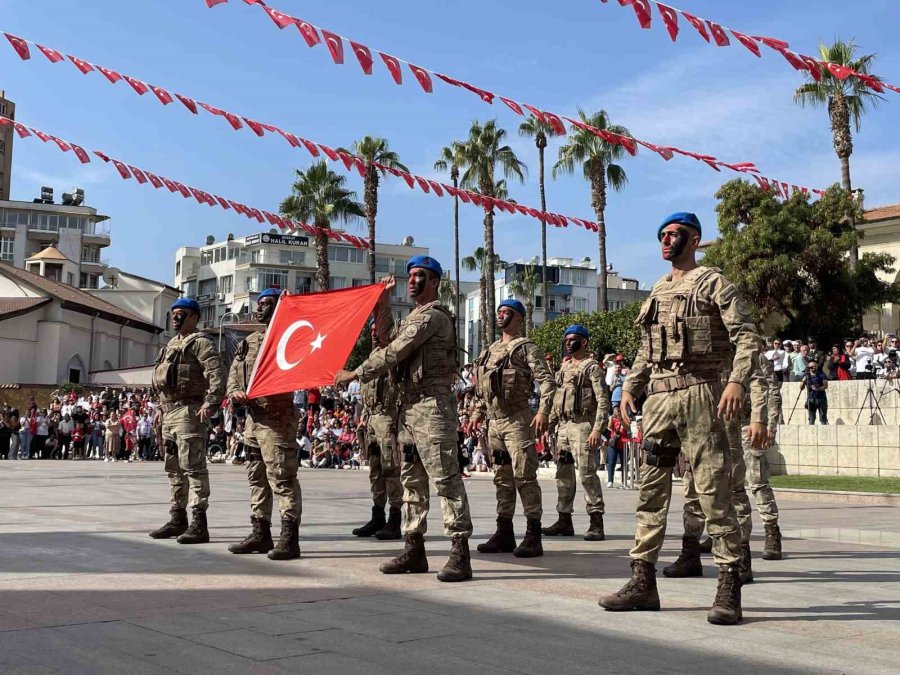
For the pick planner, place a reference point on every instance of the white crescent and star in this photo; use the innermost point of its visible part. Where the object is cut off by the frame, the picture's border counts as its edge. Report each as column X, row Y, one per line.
column 281, row 349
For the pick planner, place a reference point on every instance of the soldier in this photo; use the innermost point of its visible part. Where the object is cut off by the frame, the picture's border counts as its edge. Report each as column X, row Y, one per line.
column 691, row 325
column 581, row 409
column 423, row 352
column 189, row 379
column 504, row 382
column 755, row 405
column 379, row 443
column 270, row 446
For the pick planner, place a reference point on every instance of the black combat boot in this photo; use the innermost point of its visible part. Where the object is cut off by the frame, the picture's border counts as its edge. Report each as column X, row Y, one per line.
column 688, row 563
column 595, row 531
column 459, row 564
column 706, row 546
column 288, row 546
column 744, row 565
column 258, row 541
column 391, row 530
column 561, row 528
column 177, row 525
column 772, row 547
column 413, row 558
column 375, row 524
column 638, row 594
column 197, row 533
column 726, row 609
column 503, row 540
column 531, row 545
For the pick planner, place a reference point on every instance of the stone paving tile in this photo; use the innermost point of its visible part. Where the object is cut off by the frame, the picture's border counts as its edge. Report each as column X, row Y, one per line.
column 181, row 624
column 253, row 645
column 272, row 624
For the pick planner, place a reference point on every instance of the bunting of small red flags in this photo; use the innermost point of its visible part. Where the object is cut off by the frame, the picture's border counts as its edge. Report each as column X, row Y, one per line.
column 351, row 162
column 707, row 29
column 424, row 77
column 781, row 189
column 143, row 177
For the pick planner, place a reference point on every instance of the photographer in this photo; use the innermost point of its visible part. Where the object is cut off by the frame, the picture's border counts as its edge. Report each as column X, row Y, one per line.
column 889, row 370
column 864, row 355
column 816, row 399
column 892, row 348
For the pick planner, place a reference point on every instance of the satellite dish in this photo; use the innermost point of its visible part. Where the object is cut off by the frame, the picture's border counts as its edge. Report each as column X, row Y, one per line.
column 408, row 241
column 111, row 276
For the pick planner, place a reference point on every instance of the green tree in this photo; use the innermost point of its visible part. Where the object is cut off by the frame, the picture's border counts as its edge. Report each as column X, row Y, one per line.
column 319, row 198
column 447, row 295
column 478, row 261
column 449, row 160
column 610, row 332
column 790, row 259
column 846, row 100
column 597, row 158
column 540, row 131
column 481, row 156
column 373, row 149
column 524, row 286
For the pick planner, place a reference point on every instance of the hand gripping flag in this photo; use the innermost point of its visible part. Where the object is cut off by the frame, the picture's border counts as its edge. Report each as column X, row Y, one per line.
column 310, row 338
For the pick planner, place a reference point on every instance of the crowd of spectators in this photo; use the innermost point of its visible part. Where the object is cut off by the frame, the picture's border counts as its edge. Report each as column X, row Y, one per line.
column 862, row 359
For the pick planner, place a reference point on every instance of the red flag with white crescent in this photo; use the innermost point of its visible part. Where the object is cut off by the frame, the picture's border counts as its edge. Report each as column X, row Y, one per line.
column 718, row 33
column 670, row 18
column 335, row 45
column 363, row 55
column 20, row 45
column 310, row 338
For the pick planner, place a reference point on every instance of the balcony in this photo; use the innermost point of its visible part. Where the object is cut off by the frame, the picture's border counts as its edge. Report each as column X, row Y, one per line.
column 97, row 232
column 269, row 258
column 94, row 260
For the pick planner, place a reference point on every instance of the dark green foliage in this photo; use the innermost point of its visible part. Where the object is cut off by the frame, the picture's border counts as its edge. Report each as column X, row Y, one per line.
column 611, row 332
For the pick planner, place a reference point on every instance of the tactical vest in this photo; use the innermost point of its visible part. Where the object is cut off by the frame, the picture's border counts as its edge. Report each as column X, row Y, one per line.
column 178, row 373
column 576, row 391
column 433, row 364
column 379, row 395
column 505, row 383
column 674, row 329
column 245, row 356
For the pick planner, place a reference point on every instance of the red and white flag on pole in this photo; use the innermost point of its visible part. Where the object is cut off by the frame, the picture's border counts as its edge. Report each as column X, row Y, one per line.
column 310, row 338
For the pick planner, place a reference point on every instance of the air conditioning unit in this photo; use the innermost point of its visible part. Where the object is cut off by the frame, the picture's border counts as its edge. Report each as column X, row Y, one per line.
column 220, row 296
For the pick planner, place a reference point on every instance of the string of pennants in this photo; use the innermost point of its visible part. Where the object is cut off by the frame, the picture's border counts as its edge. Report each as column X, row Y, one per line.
column 145, row 177
column 716, row 32
column 335, row 43
column 22, row 47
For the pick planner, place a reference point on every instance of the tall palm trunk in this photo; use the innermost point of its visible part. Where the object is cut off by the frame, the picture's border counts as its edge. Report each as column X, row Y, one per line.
column 541, row 142
column 370, row 205
column 529, row 318
column 490, row 319
column 482, row 303
column 323, row 273
column 454, row 175
column 598, row 201
column 839, row 114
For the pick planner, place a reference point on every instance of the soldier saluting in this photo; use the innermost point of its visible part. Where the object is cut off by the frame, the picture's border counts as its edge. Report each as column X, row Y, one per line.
column 504, row 382
column 189, row 378
column 691, row 325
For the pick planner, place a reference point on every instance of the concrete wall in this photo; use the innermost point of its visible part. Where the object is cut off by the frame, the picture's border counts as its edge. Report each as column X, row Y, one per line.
column 837, row 450
column 845, row 399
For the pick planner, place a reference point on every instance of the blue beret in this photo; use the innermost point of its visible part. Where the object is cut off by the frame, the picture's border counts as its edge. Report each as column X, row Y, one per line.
column 269, row 293
column 682, row 217
column 425, row 262
column 513, row 304
column 186, row 303
column 578, row 329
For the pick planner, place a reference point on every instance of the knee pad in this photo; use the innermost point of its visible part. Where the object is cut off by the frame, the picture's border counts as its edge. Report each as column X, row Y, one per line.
column 566, row 457
column 171, row 448
column 254, row 454
column 410, row 453
column 659, row 455
column 501, row 458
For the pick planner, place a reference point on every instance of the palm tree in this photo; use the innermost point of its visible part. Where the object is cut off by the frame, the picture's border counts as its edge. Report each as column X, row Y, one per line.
column 320, row 198
column 535, row 128
column 597, row 157
column 478, row 261
column 449, row 159
column 447, row 295
column 480, row 156
column 373, row 149
column 845, row 100
column 524, row 287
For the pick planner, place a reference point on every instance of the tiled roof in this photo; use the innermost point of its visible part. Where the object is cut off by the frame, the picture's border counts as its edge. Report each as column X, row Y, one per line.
column 49, row 253
column 883, row 212
column 10, row 307
column 75, row 298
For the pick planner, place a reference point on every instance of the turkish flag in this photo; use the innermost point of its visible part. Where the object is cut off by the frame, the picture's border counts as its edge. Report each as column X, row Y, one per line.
column 53, row 55
column 109, row 74
column 82, row 65
column 697, row 23
column 139, row 87
column 642, row 11
column 310, row 338
column 309, row 33
column 164, row 97
column 836, row 69
column 512, row 105
column 363, row 55
column 393, row 65
column 20, row 45
column 422, row 76
column 747, row 41
column 670, row 18
column 335, row 45
column 718, row 33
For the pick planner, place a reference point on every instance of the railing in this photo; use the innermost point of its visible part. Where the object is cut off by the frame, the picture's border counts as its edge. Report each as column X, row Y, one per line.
column 269, row 258
column 94, row 260
column 99, row 229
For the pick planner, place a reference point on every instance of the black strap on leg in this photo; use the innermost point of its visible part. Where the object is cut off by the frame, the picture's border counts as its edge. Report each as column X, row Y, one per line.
column 374, row 449
column 410, row 453
column 659, row 454
column 566, row 457
column 501, row 458
column 171, row 448
column 254, row 454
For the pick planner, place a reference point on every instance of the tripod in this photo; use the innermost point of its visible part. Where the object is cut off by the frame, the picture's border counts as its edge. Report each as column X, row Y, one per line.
column 872, row 401
column 797, row 400
column 889, row 386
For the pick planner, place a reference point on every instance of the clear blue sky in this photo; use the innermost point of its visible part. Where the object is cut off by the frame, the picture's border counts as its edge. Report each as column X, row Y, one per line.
column 722, row 101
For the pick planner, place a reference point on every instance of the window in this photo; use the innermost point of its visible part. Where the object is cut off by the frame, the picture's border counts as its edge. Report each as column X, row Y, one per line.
column 2, row 108
column 579, row 277
column 287, row 257
column 271, row 279
column 226, row 284
column 304, row 284
column 207, row 286
column 539, row 302
column 189, row 289
column 580, row 304
column 2, row 145
column 233, row 252
column 70, row 279
column 346, row 254
column 382, row 265
column 208, row 315
column 88, row 281
column 177, row 268
column 219, row 254
column 360, row 282
column 14, row 218
column 205, row 257
column 6, row 248
column 90, row 254
column 48, row 222
column 337, row 283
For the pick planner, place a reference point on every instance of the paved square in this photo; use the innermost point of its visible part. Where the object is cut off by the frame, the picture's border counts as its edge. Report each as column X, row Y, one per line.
column 83, row 589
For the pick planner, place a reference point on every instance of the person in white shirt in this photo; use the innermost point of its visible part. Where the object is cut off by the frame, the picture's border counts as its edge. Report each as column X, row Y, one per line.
column 777, row 355
column 64, row 432
column 863, row 354
column 879, row 358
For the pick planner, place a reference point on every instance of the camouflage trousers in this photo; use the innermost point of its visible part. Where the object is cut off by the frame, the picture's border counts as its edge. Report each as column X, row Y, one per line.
column 428, row 435
column 694, row 520
column 511, row 442
column 686, row 418
column 758, row 481
column 572, row 437
column 384, row 465
column 184, row 438
column 272, row 464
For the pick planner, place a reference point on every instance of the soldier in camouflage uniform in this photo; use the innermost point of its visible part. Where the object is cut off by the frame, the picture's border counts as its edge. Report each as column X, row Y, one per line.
column 189, row 379
column 379, row 446
column 581, row 411
column 755, row 407
column 694, row 325
column 270, row 442
column 422, row 350
column 504, row 382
